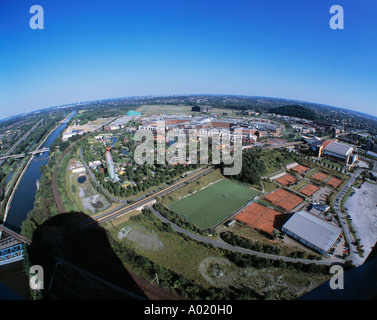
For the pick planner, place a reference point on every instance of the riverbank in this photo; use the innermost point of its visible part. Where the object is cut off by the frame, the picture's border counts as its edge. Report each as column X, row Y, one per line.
column 23, row 194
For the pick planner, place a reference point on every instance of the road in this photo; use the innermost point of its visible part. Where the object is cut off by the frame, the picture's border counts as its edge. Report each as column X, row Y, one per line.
column 354, row 256
column 103, row 218
column 222, row 244
column 9, row 152
column 104, row 190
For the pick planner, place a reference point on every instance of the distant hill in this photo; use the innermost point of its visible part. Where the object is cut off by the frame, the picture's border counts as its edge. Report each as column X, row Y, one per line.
column 295, row 111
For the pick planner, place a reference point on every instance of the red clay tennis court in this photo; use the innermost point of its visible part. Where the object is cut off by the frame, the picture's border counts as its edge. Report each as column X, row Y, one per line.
column 320, row 176
column 283, row 199
column 334, row 182
column 262, row 218
column 286, row 180
column 309, row 190
column 300, row 169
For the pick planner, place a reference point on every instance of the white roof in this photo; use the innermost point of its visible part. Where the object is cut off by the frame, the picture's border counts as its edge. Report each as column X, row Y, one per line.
column 339, row 148
column 314, row 230
column 373, row 154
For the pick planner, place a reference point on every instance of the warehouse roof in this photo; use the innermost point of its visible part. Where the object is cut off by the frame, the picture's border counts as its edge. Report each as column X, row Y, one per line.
column 339, row 148
column 314, row 230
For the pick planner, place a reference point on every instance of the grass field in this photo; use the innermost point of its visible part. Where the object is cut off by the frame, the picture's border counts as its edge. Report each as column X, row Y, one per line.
column 148, row 110
column 209, row 206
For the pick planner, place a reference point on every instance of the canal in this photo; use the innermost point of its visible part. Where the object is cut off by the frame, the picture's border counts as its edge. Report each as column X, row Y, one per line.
column 23, row 200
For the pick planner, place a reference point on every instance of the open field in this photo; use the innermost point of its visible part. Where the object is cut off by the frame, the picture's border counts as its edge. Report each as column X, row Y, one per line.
column 208, row 266
column 209, row 206
column 286, row 284
column 149, row 110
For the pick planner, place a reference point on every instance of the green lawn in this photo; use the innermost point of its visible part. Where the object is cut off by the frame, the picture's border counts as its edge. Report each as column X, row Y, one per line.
column 209, row 206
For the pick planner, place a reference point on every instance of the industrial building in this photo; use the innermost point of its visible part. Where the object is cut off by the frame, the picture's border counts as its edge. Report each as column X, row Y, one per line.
column 201, row 109
column 333, row 150
column 340, row 151
column 312, row 231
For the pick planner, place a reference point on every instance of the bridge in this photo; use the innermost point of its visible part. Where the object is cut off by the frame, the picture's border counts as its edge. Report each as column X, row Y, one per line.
column 22, row 155
column 40, row 151
column 14, row 156
column 11, row 246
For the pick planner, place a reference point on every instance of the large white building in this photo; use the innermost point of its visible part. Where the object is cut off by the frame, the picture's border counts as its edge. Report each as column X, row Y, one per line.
column 312, row 231
column 340, row 151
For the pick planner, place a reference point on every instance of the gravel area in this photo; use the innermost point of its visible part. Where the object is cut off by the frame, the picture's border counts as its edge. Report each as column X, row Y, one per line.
column 362, row 207
column 142, row 240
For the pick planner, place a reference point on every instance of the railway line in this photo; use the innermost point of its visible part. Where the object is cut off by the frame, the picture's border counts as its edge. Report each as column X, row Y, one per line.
column 103, row 218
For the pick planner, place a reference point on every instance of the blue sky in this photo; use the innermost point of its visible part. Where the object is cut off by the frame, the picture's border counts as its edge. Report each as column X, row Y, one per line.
column 105, row 49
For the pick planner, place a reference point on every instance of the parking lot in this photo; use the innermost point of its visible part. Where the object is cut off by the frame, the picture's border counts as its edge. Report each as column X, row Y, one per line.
column 322, row 194
column 362, row 208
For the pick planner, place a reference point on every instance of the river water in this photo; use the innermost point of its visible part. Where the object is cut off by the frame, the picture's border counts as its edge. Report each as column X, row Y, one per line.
column 23, row 200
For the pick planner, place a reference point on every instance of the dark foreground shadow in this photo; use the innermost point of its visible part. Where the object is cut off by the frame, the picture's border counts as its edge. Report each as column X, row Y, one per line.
column 78, row 262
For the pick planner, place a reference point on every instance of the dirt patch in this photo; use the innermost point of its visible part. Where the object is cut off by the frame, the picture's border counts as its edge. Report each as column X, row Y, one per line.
column 141, row 239
column 95, row 203
column 216, row 271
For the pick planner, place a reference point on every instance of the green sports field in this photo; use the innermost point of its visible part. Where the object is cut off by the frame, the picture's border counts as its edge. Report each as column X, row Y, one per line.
column 209, row 206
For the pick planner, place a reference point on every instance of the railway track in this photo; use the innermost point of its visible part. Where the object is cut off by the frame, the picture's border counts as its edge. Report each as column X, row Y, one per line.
column 102, row 218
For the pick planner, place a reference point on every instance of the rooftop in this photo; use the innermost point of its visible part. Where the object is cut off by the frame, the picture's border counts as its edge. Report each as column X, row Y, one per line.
column 314, row 230
column 338, row 148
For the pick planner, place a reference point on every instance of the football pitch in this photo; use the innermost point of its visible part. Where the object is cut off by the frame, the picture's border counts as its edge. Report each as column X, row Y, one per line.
column 209, row 206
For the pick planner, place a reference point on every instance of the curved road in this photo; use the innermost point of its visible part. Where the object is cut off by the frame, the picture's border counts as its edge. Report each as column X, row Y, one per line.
column 103, row 218
column 222, row 244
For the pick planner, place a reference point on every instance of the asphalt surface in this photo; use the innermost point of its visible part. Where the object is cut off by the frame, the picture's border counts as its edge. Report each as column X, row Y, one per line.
column 354, row 256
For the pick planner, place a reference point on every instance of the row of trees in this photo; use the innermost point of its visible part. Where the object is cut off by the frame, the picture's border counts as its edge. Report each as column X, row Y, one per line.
column 238, row 241
column 145, row 176
column 252, row 167
column 246, row 261
column 44, row 205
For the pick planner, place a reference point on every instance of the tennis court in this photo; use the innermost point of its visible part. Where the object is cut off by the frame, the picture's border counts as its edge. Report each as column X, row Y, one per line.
column 334, row 182
column 286, row 180
column 283, row 199
column 309, row 190
column 300, row 169
column 320, row 176
column 262, row 218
